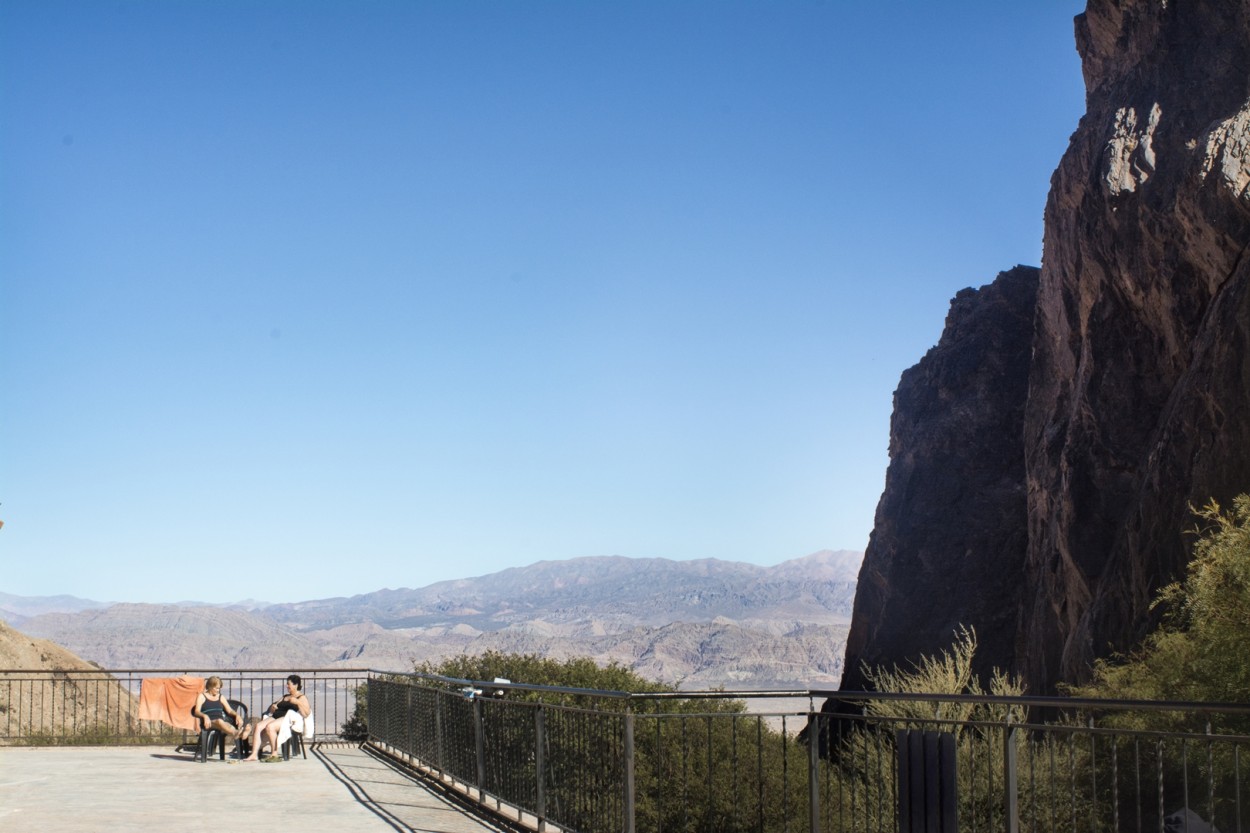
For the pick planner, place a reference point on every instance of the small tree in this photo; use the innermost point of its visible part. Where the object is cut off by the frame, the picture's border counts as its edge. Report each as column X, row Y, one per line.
column 356, row 727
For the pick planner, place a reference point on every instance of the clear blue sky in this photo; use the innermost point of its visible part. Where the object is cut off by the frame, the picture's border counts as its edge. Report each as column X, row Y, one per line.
column 398, row 292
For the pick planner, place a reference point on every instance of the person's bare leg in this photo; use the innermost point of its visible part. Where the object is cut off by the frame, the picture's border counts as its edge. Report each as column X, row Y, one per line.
column 271, row 733
column 254, row 755
column 230, row 731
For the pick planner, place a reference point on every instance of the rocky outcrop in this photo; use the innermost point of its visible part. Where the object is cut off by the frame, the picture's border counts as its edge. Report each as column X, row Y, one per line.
column 948, row 544
column 1137, row 393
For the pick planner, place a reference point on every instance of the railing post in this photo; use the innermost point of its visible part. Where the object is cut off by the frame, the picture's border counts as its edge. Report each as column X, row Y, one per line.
column 540, row 765
column 409, row 717
column 480, row 742
column 629, row 772
column 1010, row 777
column 438, row 733
column 813, row 772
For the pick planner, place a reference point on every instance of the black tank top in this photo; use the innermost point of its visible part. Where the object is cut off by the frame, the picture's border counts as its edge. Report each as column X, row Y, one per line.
column 214, row 709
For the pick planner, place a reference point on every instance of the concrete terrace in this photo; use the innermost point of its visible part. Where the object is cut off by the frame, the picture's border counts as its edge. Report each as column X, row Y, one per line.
column 340, row 788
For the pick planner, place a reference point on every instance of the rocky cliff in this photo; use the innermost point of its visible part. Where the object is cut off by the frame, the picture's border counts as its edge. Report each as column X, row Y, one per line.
column 1137, row 385
column 948, row 544
column 1139, row 399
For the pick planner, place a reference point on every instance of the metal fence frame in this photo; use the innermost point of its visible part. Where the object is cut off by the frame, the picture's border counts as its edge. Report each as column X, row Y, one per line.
column 678, row 762
column 627, row 764
column 74, row 707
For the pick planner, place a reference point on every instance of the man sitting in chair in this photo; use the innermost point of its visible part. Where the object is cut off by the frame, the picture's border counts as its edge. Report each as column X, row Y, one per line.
column 289, row 711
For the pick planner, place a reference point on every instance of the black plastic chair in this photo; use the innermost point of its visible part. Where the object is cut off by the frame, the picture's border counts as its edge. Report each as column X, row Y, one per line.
column 296, row 741
column 215, row 737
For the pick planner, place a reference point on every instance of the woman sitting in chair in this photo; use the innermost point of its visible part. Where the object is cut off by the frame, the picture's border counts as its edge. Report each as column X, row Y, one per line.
column 289, row 705
column 211, row 710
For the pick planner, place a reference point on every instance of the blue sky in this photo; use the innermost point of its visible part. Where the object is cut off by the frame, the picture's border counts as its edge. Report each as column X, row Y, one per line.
column 308, row 299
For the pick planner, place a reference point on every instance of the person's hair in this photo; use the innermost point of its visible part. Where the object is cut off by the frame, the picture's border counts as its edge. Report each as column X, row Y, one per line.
column 294, row 678
column 212, row 682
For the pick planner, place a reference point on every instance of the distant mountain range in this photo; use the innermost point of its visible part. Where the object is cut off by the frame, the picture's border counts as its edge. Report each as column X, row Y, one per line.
column 16, row 609
column 693, row 623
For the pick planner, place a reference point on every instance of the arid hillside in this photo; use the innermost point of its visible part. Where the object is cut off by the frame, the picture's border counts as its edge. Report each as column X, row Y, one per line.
column 27, row 653
column 36, row 700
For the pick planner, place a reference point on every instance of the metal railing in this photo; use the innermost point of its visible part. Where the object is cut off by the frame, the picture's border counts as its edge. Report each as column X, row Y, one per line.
column 40, row 707
column 602, row 761
column 594, row 761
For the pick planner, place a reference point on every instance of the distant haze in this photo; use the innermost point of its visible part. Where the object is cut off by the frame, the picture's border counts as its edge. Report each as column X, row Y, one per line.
column 695, row 623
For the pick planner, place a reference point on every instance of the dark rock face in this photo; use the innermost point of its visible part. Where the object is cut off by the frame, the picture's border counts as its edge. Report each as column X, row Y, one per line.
column 949, row 540
column 1139, row 399
column 1136, row 400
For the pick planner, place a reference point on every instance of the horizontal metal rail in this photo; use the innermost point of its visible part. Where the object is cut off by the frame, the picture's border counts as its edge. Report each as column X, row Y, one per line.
column 821, row 695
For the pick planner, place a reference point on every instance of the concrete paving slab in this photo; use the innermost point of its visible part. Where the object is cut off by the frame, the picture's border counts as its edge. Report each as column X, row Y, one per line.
column 338, row 788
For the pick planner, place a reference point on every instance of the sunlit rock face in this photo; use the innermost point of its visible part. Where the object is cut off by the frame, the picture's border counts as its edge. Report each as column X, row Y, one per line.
column 1134, row 399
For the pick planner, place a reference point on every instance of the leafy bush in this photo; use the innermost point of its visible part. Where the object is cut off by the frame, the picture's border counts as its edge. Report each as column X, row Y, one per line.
column 532, row 669
column 699, row 764
column 867, row 757
column 356, row 727
column 1198, row 652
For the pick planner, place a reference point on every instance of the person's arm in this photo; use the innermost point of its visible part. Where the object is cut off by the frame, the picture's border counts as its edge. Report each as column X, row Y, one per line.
column 305, row 708
column 199, row 716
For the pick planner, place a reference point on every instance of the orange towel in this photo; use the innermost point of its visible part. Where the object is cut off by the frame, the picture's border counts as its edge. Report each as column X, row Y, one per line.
column 170, row 700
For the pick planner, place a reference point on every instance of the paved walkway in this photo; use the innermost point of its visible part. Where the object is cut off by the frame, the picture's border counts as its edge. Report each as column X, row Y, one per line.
column 338, row 788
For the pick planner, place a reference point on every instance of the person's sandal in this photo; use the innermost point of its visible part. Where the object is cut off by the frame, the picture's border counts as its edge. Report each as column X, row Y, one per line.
column 273, row 759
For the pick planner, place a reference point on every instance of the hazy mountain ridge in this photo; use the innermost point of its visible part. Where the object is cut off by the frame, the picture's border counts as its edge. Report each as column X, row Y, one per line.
column 736, row 625
column 174, row 636
column 628, row 591
column 16, row 609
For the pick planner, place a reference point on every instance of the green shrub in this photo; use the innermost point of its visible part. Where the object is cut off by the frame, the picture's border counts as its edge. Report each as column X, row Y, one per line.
column 1196, row 654
column 1198, row 651
column 356, row 727
column 532, row 669
column 867, row 757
